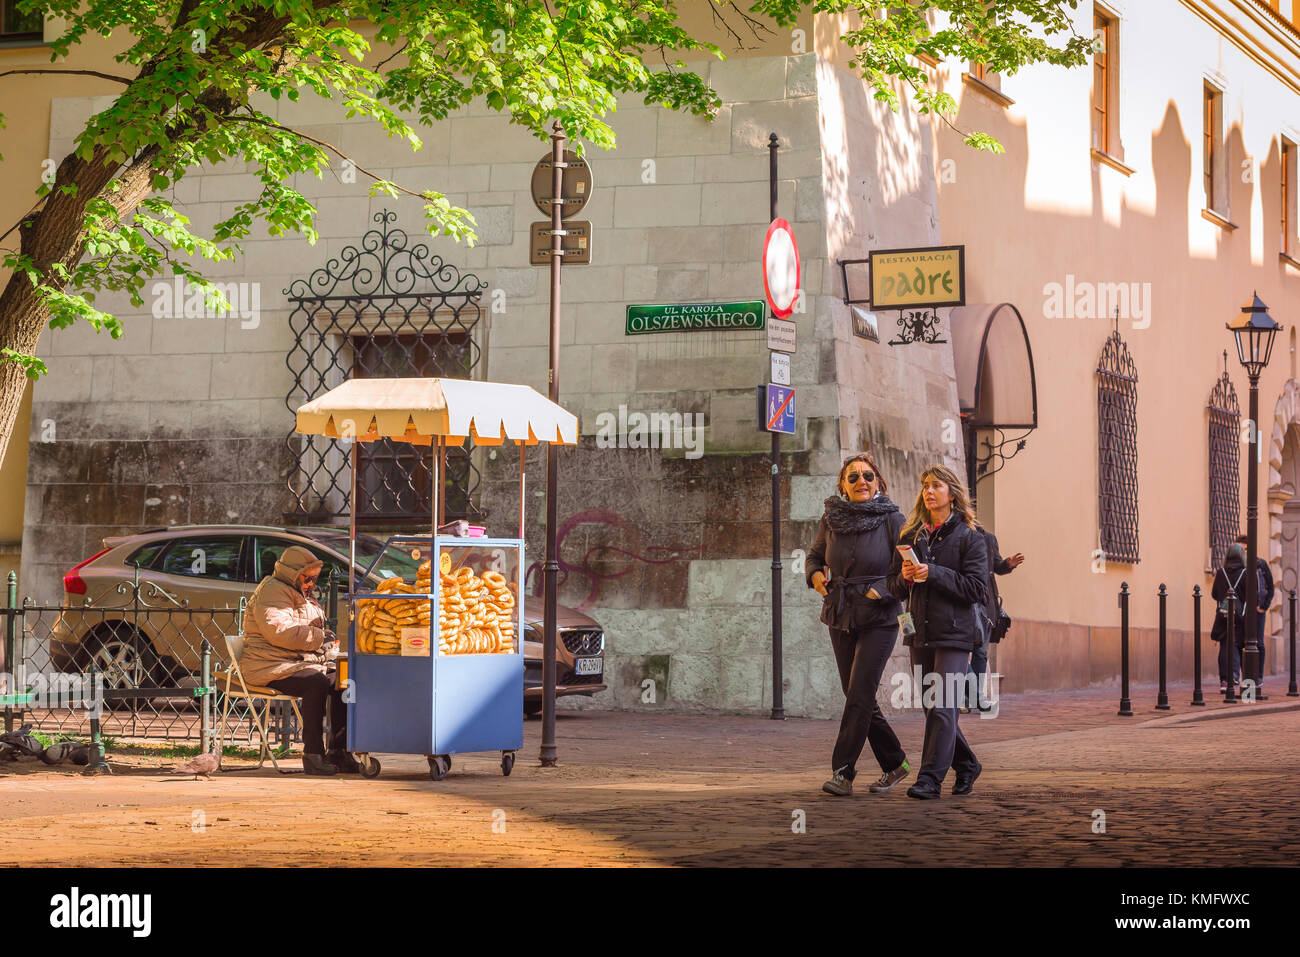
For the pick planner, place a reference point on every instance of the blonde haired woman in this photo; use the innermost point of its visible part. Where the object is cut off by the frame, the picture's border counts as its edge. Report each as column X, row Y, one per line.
column 942, row 586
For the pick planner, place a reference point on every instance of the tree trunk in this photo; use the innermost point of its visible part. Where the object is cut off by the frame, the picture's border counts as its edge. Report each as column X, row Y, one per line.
column 13, row 380
column 56, row 235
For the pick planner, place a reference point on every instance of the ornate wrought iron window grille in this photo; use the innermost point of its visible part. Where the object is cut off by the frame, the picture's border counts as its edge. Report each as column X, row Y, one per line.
column 381, row 309
column 1117, row 451
column 1225, row 466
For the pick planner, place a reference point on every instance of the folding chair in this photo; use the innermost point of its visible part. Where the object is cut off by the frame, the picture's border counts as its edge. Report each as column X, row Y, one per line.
column 252, row 694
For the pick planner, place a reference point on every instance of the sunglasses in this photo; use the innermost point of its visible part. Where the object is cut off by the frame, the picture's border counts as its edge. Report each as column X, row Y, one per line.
column 853, row 477
column 310, row 578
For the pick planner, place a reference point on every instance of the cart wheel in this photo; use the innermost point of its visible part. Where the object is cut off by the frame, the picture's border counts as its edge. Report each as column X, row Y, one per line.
column 370, row 767
column 507, row 762
column 439, row 765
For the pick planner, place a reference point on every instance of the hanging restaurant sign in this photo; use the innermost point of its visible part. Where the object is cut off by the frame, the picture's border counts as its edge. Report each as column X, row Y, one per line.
column 925, row 277
column 695, row 317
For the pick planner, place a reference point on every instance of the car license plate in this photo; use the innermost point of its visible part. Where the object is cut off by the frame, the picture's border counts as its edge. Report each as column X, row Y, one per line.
column 588, row 666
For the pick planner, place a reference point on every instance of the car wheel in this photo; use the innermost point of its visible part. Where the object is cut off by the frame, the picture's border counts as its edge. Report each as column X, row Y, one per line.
column 122, row 656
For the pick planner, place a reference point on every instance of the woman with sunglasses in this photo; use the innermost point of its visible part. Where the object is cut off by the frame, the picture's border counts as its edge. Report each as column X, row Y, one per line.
column 847, row 564
column 942, row 587
column 287, row 648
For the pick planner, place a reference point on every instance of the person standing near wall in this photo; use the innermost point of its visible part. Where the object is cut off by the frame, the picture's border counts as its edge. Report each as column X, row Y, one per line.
column 979, row 658
column 1229, row 578
column 943, row 587
column 847, row 564
column 1266, row 589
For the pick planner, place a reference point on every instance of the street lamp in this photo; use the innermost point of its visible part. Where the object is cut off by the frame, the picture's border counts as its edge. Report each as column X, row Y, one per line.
column 1254, row 330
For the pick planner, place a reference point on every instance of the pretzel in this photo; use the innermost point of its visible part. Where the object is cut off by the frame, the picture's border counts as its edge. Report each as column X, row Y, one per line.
column 476, row 614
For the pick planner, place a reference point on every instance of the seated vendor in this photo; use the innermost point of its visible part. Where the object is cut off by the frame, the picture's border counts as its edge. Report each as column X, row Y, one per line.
column 288, row 648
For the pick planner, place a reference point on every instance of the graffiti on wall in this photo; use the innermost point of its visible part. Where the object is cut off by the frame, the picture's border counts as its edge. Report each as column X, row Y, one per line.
column 586, row 565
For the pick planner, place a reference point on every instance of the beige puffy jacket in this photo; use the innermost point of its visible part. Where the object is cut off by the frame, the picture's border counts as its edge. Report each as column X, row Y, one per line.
column 284, row 631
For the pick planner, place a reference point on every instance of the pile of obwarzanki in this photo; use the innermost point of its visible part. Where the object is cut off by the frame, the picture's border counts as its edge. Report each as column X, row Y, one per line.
column 476, row 615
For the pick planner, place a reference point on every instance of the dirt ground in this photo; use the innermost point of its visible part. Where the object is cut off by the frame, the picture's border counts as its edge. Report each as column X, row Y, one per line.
column 651, row 789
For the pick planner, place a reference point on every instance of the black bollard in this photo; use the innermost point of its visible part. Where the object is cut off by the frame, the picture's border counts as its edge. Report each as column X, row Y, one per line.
column 1229, row 647
column 1291, row 691
column 1162, row 698
column 1259, row 670
column 1198, row 698
column 1125, row 705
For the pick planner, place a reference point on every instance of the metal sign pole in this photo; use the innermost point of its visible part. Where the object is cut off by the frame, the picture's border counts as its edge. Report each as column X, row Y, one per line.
column 778, row 703
column 547, row 755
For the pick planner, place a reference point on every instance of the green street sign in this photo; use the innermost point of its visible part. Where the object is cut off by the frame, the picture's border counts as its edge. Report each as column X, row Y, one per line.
column 696, row 317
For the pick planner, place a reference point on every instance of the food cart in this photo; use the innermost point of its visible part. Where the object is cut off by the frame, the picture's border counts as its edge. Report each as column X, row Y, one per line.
column 434, row 660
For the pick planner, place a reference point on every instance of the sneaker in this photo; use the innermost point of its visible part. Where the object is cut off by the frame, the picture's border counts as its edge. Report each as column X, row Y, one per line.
column 966, row 780
column 1223, row 687
column 839, row 785
column 890, row 778
column 923, row 793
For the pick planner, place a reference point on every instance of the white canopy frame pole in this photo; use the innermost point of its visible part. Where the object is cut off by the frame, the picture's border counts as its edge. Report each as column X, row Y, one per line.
column 352, row 526
column 523, row 447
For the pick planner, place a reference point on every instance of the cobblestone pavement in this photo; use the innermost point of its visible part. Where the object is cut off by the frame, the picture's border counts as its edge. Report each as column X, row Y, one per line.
column 658, row 789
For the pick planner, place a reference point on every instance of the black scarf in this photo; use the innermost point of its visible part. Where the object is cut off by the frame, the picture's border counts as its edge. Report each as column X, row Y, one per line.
column 852, row 518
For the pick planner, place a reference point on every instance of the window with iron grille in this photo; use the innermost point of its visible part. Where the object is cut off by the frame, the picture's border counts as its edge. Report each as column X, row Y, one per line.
column 380, row 310
column 1117, row 452
column 1225, row 467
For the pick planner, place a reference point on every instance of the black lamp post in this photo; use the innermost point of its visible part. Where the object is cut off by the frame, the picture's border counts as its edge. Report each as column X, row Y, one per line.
column 1254, row 330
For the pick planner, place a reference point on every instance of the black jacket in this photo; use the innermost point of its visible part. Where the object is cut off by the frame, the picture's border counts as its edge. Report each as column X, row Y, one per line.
column 855, row 541
column 1231, row 574
column 943, row 606
column 997, row 566
column 1266, row 586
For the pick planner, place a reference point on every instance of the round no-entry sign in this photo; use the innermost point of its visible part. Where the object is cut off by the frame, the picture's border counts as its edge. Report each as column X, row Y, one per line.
column 781, row 268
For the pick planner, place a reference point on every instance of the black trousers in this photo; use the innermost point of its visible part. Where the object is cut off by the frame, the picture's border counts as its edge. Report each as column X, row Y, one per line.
column 1224, row 661
column 945, row 746
column 1229, row 662
column 315, row 689
column 861, row 657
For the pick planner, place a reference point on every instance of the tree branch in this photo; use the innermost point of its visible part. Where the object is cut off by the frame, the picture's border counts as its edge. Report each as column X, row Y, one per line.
column 23, row 217
column 384, row 62
column 899, row 72
column 103, row 76
column 329, row 146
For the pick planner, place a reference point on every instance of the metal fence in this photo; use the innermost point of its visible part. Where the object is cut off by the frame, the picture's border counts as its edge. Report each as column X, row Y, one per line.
column 151, row 662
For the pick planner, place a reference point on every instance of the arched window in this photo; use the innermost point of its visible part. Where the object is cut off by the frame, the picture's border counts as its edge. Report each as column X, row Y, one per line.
column 1225, row 466
column 1117, row 506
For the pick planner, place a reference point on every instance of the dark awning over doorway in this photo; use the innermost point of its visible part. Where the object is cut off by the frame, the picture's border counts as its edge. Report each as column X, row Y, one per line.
column 995, row 367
